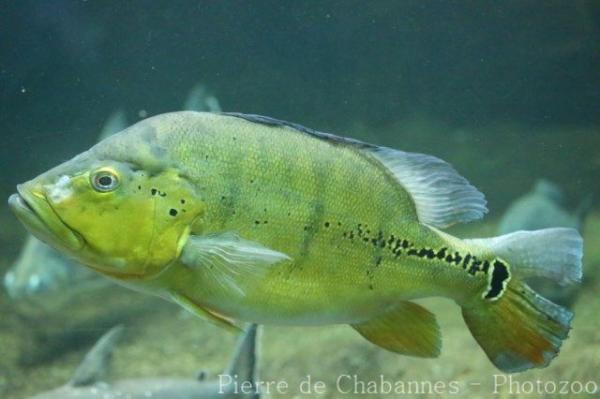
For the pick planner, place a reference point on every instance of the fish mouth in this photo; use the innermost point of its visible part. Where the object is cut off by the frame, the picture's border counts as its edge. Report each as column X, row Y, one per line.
column 33, row 210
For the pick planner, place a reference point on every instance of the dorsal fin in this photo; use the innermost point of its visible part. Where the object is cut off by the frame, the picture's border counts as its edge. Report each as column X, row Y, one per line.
column 116, row 122
column 244, row 363
column 95, row 363
column 442, row 197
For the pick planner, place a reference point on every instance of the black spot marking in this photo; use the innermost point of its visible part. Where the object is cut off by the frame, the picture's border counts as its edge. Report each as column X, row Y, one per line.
column 139, row 187
column 162, row 194
column 257, row 222
column 499, row 275
column 486, row 266
column 474, row 266
column 182, row 201
column 173, row 212
column 326, row 224
column 153, row 191
column 441, row 254
column 466, row 261
column 457, row 258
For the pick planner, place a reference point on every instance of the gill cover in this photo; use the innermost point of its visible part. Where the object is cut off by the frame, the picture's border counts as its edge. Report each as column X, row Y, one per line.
column 134, row 223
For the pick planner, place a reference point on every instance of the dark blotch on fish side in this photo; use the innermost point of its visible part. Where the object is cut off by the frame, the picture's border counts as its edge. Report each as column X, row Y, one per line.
column 153, row 191
column 173, row 212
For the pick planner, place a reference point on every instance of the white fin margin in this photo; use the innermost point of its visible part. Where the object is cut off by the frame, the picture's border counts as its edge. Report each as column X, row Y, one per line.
column 442, row 197
column 232, row 262
column 553, row 253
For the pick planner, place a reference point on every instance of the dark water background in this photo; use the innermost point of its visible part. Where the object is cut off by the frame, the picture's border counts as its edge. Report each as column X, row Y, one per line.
column 461, row 66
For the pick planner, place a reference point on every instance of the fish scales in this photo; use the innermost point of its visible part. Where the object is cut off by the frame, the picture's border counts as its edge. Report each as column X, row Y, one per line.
column 325, row 183
column 243, row 218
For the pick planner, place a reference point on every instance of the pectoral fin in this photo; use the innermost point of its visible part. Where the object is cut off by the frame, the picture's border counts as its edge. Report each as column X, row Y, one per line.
column 407, row 328
column 206, row 314
column 231, row 262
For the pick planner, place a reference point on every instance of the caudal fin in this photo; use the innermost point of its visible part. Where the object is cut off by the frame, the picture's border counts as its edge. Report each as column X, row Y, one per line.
column 520, row 329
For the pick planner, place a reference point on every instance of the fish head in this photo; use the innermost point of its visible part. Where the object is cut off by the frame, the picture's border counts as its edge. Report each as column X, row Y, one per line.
column 115, row 208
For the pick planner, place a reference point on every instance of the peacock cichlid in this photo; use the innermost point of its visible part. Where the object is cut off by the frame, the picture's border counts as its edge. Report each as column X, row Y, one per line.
column 244, row 218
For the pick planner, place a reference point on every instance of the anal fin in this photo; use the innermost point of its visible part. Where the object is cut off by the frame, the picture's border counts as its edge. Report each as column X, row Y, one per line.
column 407, row 328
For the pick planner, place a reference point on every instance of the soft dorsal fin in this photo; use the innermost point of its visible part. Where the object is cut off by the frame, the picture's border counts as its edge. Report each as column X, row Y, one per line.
column 442, row 197
column 95, row 363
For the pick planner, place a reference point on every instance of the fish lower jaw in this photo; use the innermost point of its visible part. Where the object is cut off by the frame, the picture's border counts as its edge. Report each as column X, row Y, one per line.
column 40, row 220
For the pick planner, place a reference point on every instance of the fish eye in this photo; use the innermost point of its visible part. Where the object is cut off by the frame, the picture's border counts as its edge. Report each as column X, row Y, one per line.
column 105, row 181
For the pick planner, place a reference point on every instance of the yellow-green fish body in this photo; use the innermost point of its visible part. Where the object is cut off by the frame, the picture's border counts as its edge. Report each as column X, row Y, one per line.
column 245, row 218
column 350, row 245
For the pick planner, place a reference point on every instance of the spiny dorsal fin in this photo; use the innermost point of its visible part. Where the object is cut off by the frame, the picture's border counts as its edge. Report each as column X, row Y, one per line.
column 442, row 197
column 95, row 363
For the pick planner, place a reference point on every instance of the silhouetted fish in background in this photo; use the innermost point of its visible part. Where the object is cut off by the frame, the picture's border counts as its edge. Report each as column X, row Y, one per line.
column 544, row 207
column 44, row 277
column 541, row 208
column 87, row 381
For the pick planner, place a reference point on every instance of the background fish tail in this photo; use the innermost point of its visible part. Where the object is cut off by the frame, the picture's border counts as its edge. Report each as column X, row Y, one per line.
column 519, row 329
